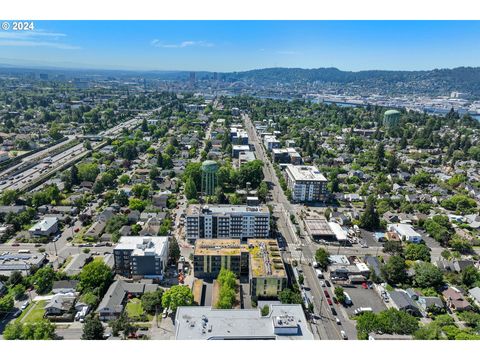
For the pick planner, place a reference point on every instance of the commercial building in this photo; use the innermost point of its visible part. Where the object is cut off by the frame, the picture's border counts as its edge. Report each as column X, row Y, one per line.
column 23, row 263
column 271, row 142
column 405, row 232
column 319, row 229
column 283, row 322
column 141, row 256
column 45, row 227
column 238, row 136
column 286, row 156
column 227, row 221
column 306, row 183
column 245, row 156
column 237, row 149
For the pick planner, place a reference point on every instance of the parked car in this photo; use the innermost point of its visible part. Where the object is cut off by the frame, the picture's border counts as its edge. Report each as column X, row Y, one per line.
column 322, row 283
column 334, row 312
column 25, row 305
column 329, row 301
column 364, row 285
column 327, row 283
column 344, row 335
column 16, row 244
column 337, row 320
column 327, row 295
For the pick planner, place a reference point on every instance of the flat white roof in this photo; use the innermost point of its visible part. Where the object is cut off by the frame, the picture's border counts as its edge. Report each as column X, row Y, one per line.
column 340, row 234
column 205, row 323
column 144, row 245
column 44, row 224
column 304, row 173
column 404, row 230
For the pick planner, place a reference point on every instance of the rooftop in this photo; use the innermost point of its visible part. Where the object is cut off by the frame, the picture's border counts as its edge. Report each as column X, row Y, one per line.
column 265, row 259
column 284, row 322
column 226, row 209
column 304, row 173
column 144, row 245
column 318, row 227
column 220, row 247
column 44, row 224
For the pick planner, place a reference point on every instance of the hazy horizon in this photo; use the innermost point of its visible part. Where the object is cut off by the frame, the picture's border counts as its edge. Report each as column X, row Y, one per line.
column 228, row 46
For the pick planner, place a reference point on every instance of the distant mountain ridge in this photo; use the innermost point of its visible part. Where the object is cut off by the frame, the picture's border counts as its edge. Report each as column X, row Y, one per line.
column 434, row 82
column 462, row 79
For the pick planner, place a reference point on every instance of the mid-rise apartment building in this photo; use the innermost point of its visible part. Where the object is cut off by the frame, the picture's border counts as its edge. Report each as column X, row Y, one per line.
column 271, row 142
column 141, row 256
column 259, row 259
column 306, row 183
column 227, row 222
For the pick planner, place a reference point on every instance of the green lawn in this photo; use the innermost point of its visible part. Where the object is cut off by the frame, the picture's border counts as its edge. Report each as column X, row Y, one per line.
column 35, row 314
column 134, row 308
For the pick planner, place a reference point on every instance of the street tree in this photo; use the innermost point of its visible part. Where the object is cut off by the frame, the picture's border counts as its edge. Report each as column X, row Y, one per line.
column 370, row 219
column 43, row 279
column 152, row 301
column 322, row 258
column 428, row 275
column 177, row 295
column 95, row 276
column 93, row 328
column 394, row 271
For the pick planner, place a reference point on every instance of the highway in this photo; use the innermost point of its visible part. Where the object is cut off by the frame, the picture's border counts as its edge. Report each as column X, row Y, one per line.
column 35, row 157
column 302, row 250
column 22, row 180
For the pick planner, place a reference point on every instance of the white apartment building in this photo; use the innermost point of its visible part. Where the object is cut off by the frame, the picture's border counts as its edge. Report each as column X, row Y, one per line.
column 227, row 222
column 306, row 183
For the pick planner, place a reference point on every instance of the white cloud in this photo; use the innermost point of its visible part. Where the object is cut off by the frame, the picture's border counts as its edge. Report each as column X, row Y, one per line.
column 38, row 38
column 29, row 43
column 183, row 44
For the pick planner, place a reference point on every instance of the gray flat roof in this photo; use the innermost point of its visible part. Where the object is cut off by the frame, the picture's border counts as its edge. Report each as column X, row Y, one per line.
column 205, row 323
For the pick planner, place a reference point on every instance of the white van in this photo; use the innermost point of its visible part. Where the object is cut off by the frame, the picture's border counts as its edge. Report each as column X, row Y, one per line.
column 24, row 251
column 319, row 273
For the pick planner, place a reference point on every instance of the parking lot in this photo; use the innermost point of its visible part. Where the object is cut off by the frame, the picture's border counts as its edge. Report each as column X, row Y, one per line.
column 363, row 298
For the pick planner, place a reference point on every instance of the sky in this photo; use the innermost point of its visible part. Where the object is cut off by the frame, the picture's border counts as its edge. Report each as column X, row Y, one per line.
column 244, row 45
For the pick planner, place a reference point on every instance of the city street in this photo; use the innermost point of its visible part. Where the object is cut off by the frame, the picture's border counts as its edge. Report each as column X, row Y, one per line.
column 300, row 248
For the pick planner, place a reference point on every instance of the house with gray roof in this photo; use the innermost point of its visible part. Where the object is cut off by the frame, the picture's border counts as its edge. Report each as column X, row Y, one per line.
column 113, row 303
column 429, row 302
column 475, row 295
column 402, row 301
column 45, row 227
column 64, row 286
column 59, row 304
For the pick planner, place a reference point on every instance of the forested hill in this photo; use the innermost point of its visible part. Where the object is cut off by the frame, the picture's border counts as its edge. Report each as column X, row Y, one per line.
column 462, row 79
